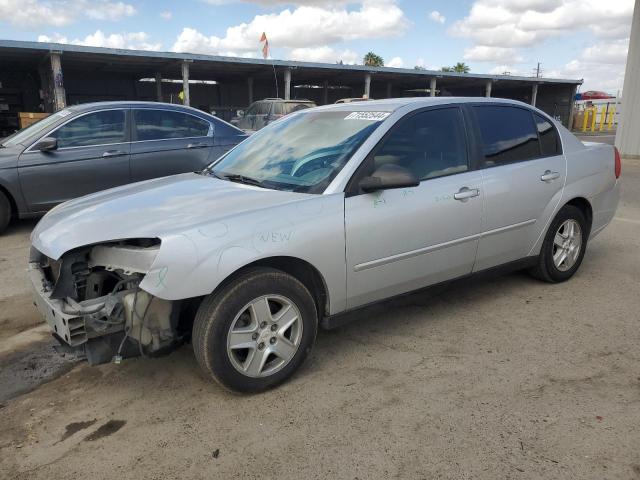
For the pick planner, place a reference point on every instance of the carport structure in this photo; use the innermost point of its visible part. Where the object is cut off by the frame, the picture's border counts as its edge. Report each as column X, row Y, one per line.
column 37, row 76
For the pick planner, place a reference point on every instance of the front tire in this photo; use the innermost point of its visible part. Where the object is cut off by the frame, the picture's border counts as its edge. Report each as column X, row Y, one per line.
column 5, row 212
column 256, row 331
column 563, row 247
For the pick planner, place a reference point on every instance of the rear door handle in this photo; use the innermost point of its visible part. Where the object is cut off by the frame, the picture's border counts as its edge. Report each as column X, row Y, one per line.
column 113, row 153
column 465, row 193
column 549, row 176
column 197, row 145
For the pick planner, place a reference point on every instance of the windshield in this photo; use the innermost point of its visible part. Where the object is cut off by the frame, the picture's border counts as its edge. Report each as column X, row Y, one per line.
column 302, row 152
column 35, row 129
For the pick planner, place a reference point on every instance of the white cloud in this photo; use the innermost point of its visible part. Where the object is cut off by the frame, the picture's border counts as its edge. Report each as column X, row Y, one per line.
column 324, row 54
column 524, row 23
column 59, row 13
column 601, row 65
column 130, row 40
column 395, row 62
column 167, row 15
column 305, row 26
column 437, row 17
column 483, row 53
column 505, row 70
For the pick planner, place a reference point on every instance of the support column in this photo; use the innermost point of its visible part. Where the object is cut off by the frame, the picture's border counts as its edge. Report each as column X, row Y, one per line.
column 487, row 90
column 389, row 89
column 59, row 94
column 287, row 84
column 572, row 104
column 534, row 94
column 432, row 87
column 158, row 86
column 367, row 85
column 627, row 138
column 185, row 82
column 250, row 89
column 325, row 93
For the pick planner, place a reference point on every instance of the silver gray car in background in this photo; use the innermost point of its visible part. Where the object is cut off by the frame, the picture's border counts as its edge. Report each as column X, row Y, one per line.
column 95, row 146
column 317, row 214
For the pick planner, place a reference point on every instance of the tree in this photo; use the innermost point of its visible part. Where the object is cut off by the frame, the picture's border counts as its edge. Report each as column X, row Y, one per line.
column 373, row 60
column 419, row 67
column 459, row 67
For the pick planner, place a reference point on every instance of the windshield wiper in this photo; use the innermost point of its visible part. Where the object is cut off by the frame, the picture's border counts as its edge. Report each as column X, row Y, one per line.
column 236, row 177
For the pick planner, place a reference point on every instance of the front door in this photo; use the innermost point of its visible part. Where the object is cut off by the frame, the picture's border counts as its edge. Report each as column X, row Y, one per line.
column 523, row 177
column 167, row 142
column 92, row 155
column 400, row 240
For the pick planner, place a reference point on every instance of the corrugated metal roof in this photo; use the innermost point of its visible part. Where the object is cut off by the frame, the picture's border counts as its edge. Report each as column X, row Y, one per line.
column 100, row 51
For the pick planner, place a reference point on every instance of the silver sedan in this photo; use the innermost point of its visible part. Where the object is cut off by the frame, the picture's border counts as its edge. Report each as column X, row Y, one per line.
column 320, row 213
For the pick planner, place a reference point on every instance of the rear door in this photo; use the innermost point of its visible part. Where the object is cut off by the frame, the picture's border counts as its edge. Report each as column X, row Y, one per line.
column 523, row 173
column 92, row 155
column 404, row 239
column 166, row 142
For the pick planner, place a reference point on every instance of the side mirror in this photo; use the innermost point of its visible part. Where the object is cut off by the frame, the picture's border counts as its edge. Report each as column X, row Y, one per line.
column 240, row 113
column 46, row 144
column 389, row 176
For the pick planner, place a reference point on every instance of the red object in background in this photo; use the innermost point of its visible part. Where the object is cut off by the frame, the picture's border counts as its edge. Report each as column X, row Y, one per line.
column 618, row 163
column 595, row 95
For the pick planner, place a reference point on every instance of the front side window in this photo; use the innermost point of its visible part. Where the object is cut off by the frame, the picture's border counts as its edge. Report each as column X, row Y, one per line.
column 429, row 144
column 301, row 152
column 99, row 128
column 549, row 141
column 508, row 134
column 166, row 124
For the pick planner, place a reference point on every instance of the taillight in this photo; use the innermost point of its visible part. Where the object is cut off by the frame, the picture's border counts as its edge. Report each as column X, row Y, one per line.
column 618, row 166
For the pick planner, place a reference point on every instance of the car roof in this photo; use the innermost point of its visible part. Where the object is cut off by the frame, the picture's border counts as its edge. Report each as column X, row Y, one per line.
column 83, row 107
column 392, row 104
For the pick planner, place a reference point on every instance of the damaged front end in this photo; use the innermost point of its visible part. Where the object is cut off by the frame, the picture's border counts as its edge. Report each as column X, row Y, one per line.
column 92, row 301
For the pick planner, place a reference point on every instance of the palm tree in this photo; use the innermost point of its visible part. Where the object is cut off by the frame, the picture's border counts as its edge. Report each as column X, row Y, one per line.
column 373, row 60
column 461, row 67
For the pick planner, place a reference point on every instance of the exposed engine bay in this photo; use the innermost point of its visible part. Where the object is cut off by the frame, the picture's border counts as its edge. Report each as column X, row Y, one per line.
column 92, row 300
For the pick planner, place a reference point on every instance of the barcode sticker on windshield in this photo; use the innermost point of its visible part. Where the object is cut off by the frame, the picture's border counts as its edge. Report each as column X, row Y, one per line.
column 375, row 116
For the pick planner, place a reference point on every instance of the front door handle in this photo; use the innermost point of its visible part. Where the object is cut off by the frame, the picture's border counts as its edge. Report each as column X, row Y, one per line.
column 113, row 153
column 197, row 145
column 549, row 176
column 465, row 193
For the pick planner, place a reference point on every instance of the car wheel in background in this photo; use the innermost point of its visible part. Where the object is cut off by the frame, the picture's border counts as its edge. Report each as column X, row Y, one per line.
column 256, row 331
column 564, row 246
column 5, row 212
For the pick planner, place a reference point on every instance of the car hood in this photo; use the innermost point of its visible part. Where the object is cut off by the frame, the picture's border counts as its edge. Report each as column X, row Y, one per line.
column 150, row 209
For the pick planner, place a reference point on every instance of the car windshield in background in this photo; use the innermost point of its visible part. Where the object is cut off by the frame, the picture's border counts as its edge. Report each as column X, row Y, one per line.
column 300, row 153
column 36, row 128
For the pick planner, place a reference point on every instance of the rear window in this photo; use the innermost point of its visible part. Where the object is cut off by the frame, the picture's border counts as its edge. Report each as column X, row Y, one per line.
column 549, row 140
column 508, row 134
column 296, row 107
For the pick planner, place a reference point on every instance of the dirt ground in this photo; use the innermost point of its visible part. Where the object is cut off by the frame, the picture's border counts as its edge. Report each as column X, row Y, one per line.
column 503, row 378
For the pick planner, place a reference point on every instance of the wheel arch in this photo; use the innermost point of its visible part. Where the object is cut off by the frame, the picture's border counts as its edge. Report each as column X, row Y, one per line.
column 302, row 270
column 584, row 206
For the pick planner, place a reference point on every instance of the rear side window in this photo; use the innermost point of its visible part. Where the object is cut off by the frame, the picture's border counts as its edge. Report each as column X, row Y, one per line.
column 263, row 108
column 508, row 134
column 430, row 144
column 99, row 128
column 549, row 140
column 278, row 109
column 165, row 124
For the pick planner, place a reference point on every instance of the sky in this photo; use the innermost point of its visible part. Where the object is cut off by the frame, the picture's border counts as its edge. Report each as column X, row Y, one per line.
column 570, row 38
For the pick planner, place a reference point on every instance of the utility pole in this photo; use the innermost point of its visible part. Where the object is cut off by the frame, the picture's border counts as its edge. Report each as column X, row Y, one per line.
column 538, row 70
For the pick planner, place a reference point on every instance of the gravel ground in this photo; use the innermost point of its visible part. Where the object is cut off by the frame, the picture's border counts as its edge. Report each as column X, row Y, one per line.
column 501, row 378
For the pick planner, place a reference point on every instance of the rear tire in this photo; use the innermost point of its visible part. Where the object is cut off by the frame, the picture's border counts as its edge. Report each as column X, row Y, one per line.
column 256, row 331
column 563, row 247
column 5, row 212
